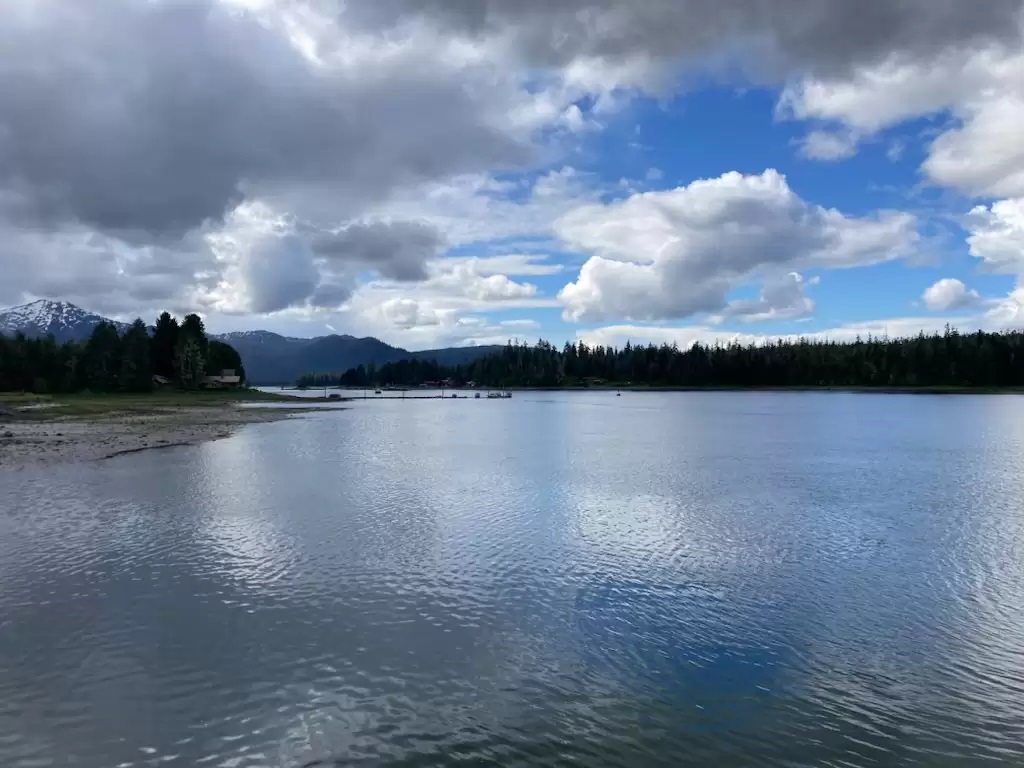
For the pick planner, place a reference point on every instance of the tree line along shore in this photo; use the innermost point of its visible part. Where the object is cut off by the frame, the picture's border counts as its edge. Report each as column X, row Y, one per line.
column 134, row 361
column 950, row 361
column 180, row 357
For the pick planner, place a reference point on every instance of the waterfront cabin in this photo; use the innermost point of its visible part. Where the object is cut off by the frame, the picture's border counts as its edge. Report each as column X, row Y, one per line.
column 227, row 379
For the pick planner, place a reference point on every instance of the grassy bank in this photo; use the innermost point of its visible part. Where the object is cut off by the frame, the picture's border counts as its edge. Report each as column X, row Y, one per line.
column 85, row 405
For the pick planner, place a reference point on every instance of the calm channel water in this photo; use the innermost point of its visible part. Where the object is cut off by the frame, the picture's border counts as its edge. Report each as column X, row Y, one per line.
column 558, row 579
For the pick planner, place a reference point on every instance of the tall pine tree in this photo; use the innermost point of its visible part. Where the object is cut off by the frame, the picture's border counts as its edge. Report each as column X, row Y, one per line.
column 163, row 345
column 136, row 363
column 103, row 358
column 190, row 352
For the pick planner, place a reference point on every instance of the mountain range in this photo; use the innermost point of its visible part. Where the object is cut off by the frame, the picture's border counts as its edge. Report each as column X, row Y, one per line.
column 269, row 358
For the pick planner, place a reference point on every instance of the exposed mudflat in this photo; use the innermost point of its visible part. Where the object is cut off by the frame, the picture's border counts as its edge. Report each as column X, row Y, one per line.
column 56, row 441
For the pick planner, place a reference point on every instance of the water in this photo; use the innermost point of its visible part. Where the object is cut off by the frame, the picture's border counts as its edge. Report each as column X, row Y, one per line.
column 558, row 579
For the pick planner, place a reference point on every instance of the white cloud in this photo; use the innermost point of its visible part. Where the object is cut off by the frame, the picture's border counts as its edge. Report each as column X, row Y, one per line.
column 456, row 304
column 949, row 293
column 996, row 235
column 516, row 264
column 521, row 324
column 828, row 145
column 1006, row 313
column 394, row 125
column 781, row 298
column 423, row 323
column 670, row 254
column 475, row 208
column 980, row 153
column 407, row 313
column 985, row 156
column 464, row 280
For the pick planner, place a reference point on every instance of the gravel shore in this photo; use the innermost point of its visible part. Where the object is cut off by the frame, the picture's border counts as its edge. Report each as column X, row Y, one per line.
column 56, row 441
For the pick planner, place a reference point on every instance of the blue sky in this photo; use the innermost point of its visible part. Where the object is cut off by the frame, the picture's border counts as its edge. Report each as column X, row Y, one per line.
column 437, row 174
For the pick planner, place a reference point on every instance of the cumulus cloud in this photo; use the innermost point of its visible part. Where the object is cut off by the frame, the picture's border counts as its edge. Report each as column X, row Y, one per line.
column 996, row 235
column 671, row 254
column 949, row 293
column 137, row 138
column 424, row 322
column 475, row 208
column 980, row 153
column 630, row 42
column 408, row 313
column 398, row 250
column 161, row 115
column 985, row 155
column 782, row 298
column 278, row 272
column 101, row 272
column 483, row 288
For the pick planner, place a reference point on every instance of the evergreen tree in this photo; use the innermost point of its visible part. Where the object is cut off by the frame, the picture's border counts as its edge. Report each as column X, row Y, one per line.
column 103, row 359
column 163, row 345
column 190, row 352
column 106, row 362
column 136, row 362
column 950, row 360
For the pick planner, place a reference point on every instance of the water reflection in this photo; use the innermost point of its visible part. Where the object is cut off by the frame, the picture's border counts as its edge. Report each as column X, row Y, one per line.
column 652, row 579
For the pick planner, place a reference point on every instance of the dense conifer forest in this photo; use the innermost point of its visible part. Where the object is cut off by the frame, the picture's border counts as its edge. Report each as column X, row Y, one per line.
column 950, row 359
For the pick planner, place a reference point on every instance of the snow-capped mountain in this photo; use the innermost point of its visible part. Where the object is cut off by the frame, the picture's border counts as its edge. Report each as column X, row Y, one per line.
column 62, row 319
column 257, row 337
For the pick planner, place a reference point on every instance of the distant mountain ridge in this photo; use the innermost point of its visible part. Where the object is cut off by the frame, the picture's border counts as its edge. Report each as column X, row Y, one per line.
column 269, row 358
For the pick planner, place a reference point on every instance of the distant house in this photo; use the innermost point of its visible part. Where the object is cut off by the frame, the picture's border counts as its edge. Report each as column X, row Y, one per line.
column 227, row 379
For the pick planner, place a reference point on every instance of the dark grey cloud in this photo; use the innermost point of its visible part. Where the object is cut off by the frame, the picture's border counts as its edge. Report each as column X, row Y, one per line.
column 397, row 250
column 812, row 35
column 158, row 115
column 278, row 273
column 101, row 272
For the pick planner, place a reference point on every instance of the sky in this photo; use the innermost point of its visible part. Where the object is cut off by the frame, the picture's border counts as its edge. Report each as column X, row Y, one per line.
column 457, row 172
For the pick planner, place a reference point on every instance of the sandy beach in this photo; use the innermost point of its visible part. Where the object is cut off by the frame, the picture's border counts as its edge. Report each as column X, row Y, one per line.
column 57, row 440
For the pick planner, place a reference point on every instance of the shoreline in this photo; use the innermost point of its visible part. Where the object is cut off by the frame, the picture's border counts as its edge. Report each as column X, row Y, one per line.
column 48, row 437
column 412, row 392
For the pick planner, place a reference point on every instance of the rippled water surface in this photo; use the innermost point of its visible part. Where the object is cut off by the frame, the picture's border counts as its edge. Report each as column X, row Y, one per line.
column 558, row 579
